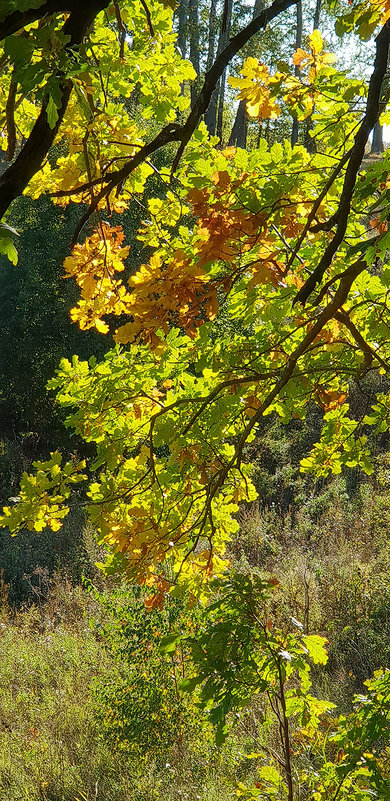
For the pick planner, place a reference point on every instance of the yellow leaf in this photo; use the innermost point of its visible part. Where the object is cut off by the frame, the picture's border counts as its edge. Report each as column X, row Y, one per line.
column 101, row 327
column 328, row 58
column 299, row 56
column 125, row 333
column 316, row 42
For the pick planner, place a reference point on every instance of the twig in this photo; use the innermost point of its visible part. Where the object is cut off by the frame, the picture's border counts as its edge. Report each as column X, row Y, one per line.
column 122, row 30
column 148, row 17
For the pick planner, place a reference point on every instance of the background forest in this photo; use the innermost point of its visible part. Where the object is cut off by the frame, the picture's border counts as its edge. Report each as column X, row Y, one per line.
column 274, row 684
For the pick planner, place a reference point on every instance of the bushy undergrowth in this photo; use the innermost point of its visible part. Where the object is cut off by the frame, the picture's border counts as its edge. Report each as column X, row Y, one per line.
column 332, row 559
column 90, row 707
column 70, row 727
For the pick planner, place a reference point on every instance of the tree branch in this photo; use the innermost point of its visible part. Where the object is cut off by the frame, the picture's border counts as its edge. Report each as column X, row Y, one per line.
column 317, row 203
column 15, row 179
column 213, row 75
column 183, row 133
column 16, row 20
column 344, row 318
column 356, row 156
column 327, row 314
column 10, row 120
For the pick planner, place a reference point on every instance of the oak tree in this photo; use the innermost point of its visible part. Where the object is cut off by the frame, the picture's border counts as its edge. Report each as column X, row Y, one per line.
column 265, row 283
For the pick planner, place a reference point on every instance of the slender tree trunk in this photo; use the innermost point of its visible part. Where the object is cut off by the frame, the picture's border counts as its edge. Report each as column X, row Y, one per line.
column 285, row 737
column 298, row 43
column 239, row 132
column 219, row 91
column 212, row 34
column 377, row 139
column 240, row 127
column 194, row 45
column 221, row 101
column 227, row 23
column 317, row 14
column 309, row 142
column 182, row 27
column 210, row 116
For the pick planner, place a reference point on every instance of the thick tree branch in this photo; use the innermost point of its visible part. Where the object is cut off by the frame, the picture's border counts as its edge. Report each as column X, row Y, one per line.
column 317, row 203
column 340, row 219
column 171, row 133
column 15, row 179
column 19, row 19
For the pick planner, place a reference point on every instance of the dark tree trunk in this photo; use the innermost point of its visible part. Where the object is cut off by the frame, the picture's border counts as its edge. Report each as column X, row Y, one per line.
column 219, row 91
column 227, row 20
column 239, row 132
column 212, row 34
column 317, row 14
column 298, row 43
column 377, row 139
column 210, row 117
column 240, row 127
column 193, row 20
column 310, row 144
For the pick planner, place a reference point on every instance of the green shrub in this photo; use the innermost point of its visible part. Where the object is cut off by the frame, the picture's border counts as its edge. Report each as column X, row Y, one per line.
column 141, row 709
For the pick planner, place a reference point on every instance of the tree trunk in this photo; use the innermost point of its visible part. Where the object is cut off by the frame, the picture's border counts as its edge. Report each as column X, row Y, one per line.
column 219, row 91
column 317, row 14
column 212, row 33
column 193, row 20
column 240, row 127
column 298, row 43
column 182, row 27
column 309, row 143
column 377, row 139
column 239, row 132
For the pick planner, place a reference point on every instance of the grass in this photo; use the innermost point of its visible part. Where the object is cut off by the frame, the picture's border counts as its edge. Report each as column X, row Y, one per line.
column 51, row 745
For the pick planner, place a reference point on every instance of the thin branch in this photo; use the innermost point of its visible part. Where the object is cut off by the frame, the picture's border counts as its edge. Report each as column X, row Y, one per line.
column 148, row 18
column 10, row 120
column 355, row 160
column 343, row 318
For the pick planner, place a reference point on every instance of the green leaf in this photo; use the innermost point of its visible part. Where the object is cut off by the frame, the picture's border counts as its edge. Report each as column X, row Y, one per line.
column 19, row 48
column 8, row 248
column 52, row 112
column 221, row 734
column 188, row 685
column 316, row 648
column 168, row 643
